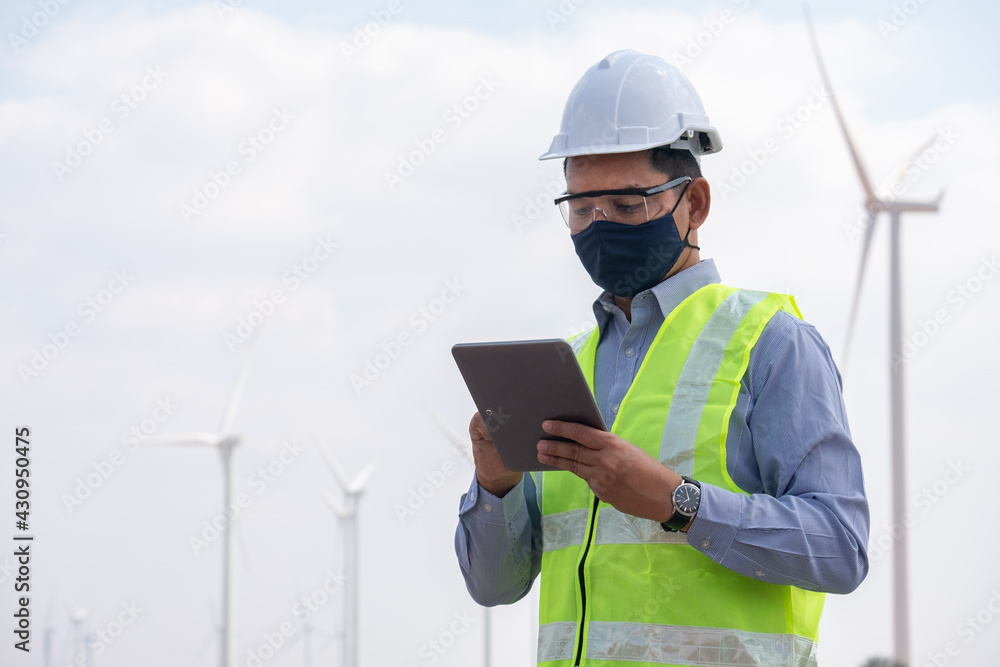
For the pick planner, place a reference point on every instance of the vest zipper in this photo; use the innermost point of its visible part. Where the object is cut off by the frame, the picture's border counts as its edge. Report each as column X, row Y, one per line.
column 583, row 585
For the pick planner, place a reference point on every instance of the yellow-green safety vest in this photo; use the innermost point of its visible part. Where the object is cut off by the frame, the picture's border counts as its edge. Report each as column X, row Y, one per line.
column 619, row 590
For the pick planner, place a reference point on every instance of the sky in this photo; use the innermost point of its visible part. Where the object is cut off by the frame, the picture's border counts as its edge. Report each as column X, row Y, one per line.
column 194, row 188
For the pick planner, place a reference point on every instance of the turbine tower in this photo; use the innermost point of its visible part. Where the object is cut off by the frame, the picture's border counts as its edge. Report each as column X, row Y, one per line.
column 225, row 441
column 895, row 208
column 348, row 513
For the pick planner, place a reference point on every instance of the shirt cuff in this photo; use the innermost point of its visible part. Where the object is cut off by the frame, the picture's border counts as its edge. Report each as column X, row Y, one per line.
column 714, row 528
column 482, row 505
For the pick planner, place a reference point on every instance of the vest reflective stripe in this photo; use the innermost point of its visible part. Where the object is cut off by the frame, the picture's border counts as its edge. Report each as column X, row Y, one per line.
column 610, row 582
column 613, row 527
column 556, row 641
column 691, row 392
column 577, row 342
column 677, row 645
column 564, row 529
column 681, row 645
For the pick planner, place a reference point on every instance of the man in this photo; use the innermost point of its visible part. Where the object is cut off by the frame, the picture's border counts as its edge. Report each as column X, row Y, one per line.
column 728, row 497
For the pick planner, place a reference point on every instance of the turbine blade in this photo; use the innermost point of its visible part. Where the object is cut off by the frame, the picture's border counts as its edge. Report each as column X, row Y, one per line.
column 869, row 232
column 237, row 396
column 206, row 644
column 75, row 612
column 330, row 637
column 870, row 197
column 335, row 468
column 914, row 206
column 458, row 442
column 362, row 477
column 334, row 503
column 898, row 178
column 186, row 439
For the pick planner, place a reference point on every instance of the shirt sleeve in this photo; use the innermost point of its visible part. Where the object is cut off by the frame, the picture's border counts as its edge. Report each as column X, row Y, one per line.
column 498, row 542
column 805, row 520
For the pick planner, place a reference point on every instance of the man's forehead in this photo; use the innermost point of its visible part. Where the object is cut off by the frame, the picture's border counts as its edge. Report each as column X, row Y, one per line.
column 612, row 171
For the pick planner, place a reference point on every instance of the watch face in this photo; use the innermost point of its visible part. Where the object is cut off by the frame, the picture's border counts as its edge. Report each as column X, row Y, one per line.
column 687, row 497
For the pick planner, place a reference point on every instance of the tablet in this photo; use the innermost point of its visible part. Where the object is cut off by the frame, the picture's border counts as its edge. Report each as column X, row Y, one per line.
column 516, row 385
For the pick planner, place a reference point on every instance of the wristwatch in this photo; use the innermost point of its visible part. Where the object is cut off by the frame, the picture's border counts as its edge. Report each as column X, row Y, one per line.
column 687, row 498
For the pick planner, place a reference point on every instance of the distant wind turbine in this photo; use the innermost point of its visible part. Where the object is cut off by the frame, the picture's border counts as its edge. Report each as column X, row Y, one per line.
column 81, row 646
column 308, row 630
column 348, row 513
column 461, row 445
column 47, row 637
column 225, row 441
column 873, row 206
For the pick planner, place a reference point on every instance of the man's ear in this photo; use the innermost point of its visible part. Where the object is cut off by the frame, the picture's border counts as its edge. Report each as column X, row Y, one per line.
column 699, row 196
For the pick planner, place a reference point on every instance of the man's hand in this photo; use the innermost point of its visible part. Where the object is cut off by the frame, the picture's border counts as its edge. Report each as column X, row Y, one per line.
column 490, row 470
column 618, row 472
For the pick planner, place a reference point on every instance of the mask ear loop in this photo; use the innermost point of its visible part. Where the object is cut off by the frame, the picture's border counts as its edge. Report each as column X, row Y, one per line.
column 671, row 214
column 689, row 245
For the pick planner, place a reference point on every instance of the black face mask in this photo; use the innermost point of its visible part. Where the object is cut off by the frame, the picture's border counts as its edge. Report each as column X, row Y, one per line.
column 628, row 259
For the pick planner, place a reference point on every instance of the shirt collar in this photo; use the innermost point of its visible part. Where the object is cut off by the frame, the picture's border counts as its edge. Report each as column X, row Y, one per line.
column 668, row 293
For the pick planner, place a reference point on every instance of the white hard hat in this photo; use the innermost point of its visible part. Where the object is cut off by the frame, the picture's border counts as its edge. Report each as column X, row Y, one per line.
column 631, row 101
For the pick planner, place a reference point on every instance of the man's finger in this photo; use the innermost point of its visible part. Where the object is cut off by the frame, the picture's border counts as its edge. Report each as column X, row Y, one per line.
column 564, row 450
column 569, row 465
column 585, row 435
column 477, row 427
column 565, row 456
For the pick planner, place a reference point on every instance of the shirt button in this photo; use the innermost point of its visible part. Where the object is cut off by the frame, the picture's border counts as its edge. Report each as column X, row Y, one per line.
column 759, row 573
column 614, row 408
column 629, row 352
column 488, row 507
column 706, row 543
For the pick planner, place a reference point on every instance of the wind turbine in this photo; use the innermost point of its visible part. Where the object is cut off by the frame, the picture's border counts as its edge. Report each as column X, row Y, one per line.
column 348, row 513
column 78, row 616
column 895, row 208
column 307, row 631
column 462, row 446
column 47, row 637
column 459, row 444
column 225, row 441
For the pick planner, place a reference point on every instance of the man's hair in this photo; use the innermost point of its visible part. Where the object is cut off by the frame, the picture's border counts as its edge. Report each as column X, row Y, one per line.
column 672, row 162
column 675, row 162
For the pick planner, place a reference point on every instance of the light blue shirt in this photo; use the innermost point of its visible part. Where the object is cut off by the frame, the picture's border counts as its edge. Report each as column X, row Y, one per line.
column 805, row 522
